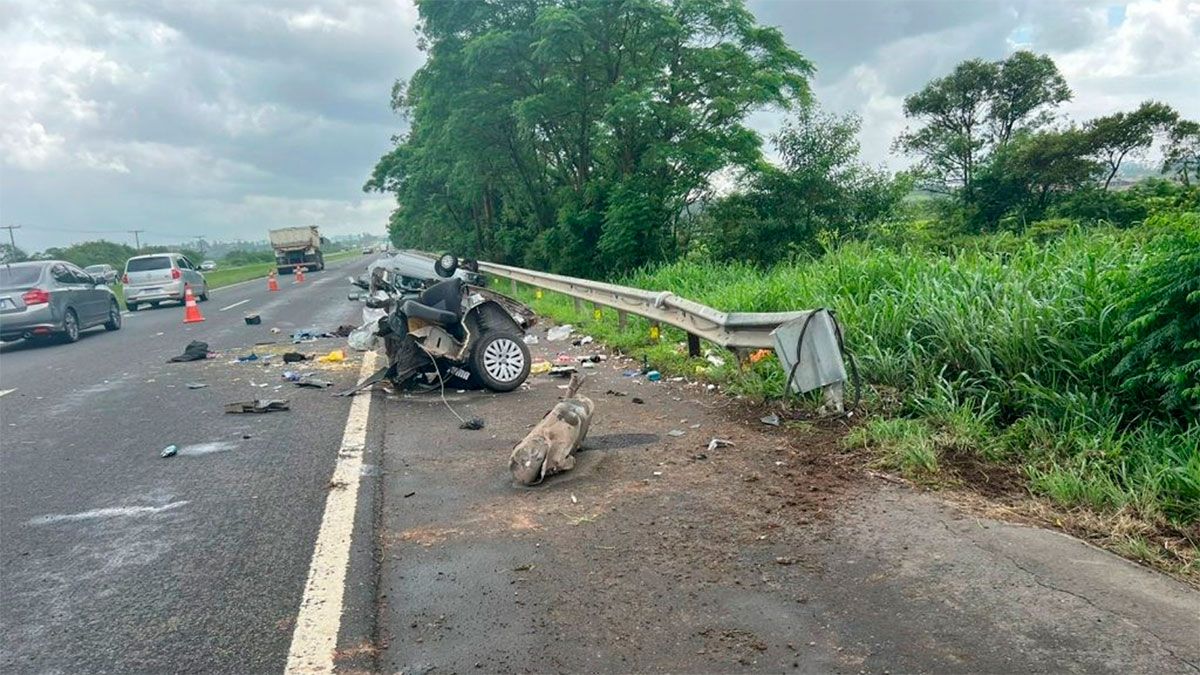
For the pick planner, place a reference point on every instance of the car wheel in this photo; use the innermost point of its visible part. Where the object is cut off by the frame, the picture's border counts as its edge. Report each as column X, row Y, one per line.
column 132, row 306
column 154, row 304
column 501, row 361
column 114, row 317
column 70, row 332
column 203, row 297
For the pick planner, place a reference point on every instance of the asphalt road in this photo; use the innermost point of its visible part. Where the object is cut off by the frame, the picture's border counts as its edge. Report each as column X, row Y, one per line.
column 113, row 559
column 373, row 534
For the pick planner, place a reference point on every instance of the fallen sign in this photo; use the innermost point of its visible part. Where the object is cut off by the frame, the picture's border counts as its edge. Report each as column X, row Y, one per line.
column 550, row 447
column 257, row 406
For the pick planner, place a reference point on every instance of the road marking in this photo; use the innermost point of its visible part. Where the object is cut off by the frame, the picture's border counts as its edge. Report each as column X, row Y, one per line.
column 315, row 635
column 234, row 305
column 7, row 391
column 116, row 512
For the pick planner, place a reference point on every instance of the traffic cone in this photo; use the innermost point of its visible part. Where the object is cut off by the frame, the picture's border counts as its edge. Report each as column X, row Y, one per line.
column 272, row 284
column 299, row 274
column 191, row 313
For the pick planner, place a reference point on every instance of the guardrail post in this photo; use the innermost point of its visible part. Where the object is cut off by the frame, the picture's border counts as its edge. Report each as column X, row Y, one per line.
column 513, row 283
column 578, row 306
column 620, row 320
column 693, row 345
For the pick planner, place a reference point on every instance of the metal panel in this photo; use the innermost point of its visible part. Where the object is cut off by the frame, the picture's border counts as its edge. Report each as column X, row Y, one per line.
column 819, row 357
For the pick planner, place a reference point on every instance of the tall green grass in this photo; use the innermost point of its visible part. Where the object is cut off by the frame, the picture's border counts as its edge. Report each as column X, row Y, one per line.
column 992, row 348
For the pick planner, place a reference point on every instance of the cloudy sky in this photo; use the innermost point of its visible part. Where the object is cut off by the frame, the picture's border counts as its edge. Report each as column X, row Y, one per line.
column 224, row 119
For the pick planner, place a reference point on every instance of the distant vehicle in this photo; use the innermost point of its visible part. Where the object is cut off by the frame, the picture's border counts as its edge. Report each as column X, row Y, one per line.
column 208, row 266
column 53, row 298
column 298, row 247
column 367, row 250
column 106, row 272
column 161, row 276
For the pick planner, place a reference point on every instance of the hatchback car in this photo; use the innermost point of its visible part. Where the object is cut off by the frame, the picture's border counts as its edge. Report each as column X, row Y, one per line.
column 208, row 266
column 53, row 298
column 150, row 279
column 106, row 272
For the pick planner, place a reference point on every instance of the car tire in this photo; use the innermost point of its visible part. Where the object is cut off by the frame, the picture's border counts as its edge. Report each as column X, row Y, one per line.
column 114, row 317
column 132, row 306
column 154, row 304
column 71, row 330
column 203, row 297
column 501, row 360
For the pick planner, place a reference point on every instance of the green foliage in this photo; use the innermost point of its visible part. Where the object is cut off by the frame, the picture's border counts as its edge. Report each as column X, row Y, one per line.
column 1181, row 156
column 240, row 257
column 546, row 130
column 821, row 194
column 1123, row 134
column 93, row 253
column 903, row 444
column 8, row 253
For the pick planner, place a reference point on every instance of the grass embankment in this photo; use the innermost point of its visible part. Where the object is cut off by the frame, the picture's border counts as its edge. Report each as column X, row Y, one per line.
column 1001, row 356
column 227, row 276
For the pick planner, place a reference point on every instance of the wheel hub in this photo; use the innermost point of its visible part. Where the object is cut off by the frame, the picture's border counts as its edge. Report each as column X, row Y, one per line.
column 503, row 360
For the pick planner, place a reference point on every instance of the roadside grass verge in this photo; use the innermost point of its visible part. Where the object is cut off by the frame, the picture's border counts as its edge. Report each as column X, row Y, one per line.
column 1003, row 353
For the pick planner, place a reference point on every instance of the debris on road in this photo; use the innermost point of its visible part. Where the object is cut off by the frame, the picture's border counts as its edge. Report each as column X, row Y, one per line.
column 759, row 355
column 344, row 330
column 675, row 432
column 252, row 319
column 257, row 406
column 169, row 451
column 539, row 367
column 293, row 357
column 473, row 424
column 312, row 383
column 195, row 351
column 719, row 443
column 715, row 360
column 335, row 356
column 563, row 371
column 196, row 385
column 785, row 561
column 614, row 392
column 247, row 358
column 637, row 400
column 550, row 446
column 531, row 339
column 557, row 333
column 771, row 419
column 653, row 376
column 586, row 340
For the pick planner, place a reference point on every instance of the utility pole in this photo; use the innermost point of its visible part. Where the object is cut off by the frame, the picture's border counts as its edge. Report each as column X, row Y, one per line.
column 200, row 243
column 12, row 242
column 137, row 242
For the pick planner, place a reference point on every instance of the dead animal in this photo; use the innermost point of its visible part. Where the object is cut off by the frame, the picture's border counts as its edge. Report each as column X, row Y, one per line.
column 550, row 446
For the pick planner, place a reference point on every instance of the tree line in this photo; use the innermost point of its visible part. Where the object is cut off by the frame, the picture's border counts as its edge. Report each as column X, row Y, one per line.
column 593, row 138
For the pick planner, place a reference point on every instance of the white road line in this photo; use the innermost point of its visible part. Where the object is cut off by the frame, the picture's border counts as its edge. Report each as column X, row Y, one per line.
column 315, row 636
column 7, row 391
column 234, row 305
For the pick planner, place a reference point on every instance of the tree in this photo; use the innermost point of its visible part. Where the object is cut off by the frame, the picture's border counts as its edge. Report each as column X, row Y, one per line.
column 543, row 131
column 1182, row 153
column 1124, row 134
column 1027, row 175
column 975, row 109
column 821, row 192
column 12, row 254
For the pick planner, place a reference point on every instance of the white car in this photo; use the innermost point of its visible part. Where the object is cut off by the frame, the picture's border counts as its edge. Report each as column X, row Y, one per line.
column 208, row 266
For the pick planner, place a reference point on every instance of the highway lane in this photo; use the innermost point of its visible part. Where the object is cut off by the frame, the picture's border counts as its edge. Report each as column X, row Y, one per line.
column 112, row 559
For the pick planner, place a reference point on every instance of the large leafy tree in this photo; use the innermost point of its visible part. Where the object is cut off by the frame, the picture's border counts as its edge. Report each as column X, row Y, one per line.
column 974, row 110
column 1126, row 134
column 1182, row 153
column 547, row 131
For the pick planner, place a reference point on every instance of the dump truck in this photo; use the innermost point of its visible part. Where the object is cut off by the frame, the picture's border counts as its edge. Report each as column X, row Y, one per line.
column 298, row 247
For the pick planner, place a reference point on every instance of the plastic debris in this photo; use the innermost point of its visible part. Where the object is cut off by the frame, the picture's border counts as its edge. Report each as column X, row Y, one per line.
column 292, row 357
column 291, row 376
column 539, row 367
column 631, row 373
column 473, row 424
column 771, row 419
column 274, row 330
column 248, row 357
column 252, row 319
column 257, row 406
column 312, row 383
column 637, row 400
column 169, row 451
column 557, row 333
column 335, row 356
column 715, row 360
column 759, row 355
column 654, row 376
column 675, row 432
column 363, row 338
column 195, row 351
column 614, row 392
column 196, row 385
column 563, row 371
column 587, row 340
column 531, row 339
column 719, row 443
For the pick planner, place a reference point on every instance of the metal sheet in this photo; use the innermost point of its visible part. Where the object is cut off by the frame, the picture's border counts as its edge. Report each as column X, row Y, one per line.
column 819, row 356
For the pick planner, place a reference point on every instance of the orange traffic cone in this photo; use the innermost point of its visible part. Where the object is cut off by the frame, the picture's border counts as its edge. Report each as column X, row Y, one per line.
column 191, row 313
column 299, row 274
column 272, row 284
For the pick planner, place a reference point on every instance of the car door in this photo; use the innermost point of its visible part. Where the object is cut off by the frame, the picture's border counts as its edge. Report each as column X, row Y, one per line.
column 64, row 293
column 192, row 275
column 94, row 301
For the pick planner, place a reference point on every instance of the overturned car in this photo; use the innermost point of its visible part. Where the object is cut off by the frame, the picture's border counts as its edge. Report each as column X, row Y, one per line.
column 447, row 331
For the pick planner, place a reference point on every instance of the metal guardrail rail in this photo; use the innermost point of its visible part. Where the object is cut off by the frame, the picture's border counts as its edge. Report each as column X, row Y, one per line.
column 732, row 330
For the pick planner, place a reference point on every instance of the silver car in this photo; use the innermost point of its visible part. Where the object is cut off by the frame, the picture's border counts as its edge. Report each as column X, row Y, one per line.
column 53, row 298
column 106, row 272
column 161, row 276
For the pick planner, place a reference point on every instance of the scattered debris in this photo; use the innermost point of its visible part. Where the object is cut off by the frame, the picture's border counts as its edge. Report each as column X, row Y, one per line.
column 588, row 364
column 675, row 432
column 785, row 561
column 257, row 406
column 335, row 356
column 252, row 319
column 699, row 455
column 292, row 357
column 274, row 330
column 657, row 473
column 759, row 355
column 312, row 383
column 248, row 357
column 344, row 330
column 473, row 424
column 563, row 371
column 715, row 360
column 653, row 376
column 591, row 358
column 410, row 494
column 196, row 385
column 195, row 351
column 637, row 400
column 523, row 568
column 289, row 375
column 539, row 367
column 614, row 392
column 719, row 443
column 550, row 446
column 557, row 333
column 531, row 339
column 771, row 419
column 587, row 340
column 169, row 451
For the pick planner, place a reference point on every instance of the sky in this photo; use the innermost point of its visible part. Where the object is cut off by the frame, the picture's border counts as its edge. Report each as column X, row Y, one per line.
column 225, row 119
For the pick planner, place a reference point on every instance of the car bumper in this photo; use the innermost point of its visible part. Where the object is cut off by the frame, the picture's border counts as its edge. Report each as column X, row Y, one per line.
column 171, row 291
column 34, row 320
